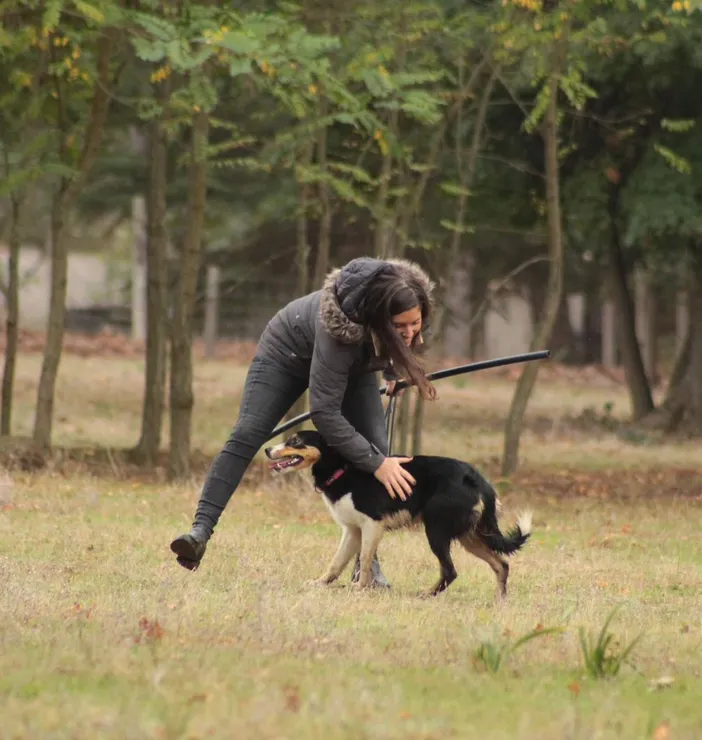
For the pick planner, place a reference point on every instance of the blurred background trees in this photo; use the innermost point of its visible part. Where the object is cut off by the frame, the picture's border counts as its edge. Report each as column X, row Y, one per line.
column 542, row 159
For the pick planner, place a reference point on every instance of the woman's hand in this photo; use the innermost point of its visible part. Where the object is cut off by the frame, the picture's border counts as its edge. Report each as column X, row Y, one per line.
column 390, row 391
column 397, row 480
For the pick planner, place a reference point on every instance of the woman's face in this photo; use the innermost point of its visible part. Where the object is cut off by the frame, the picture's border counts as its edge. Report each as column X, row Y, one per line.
column 408, row 324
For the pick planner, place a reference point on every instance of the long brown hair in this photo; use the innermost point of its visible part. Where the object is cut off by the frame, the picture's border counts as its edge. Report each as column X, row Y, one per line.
column 388, row 295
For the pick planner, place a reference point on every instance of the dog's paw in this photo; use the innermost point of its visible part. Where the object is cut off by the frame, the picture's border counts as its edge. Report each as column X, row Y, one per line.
column 323, row 581
column 432, row 594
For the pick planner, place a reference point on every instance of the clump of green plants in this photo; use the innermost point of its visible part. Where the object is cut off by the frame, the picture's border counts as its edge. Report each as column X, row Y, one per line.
column 602, row 656
column 491, row 655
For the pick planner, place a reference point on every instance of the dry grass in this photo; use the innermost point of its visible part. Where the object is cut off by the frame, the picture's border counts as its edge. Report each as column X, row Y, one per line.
column 102, row 635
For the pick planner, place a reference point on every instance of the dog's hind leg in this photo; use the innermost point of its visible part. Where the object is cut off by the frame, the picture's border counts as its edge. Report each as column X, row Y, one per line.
column 371, row 534
column 349, row 546
column 440, row 544
column 498, row 564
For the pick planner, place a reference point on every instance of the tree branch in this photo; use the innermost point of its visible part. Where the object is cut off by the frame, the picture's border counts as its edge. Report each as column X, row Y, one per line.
column 519, row 166
column 96, row 121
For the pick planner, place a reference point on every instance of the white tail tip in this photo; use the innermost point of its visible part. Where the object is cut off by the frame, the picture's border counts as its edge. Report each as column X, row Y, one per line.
column 524, row 522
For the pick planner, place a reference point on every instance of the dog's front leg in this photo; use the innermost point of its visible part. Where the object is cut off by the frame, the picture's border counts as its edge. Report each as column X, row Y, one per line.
column 349, row 546
column 371, row 534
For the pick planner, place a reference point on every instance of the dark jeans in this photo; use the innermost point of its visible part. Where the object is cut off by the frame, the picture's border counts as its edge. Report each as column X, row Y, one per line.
column 269, row 393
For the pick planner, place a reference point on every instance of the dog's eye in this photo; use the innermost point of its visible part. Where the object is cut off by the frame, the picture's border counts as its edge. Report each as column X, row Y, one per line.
column 296, row 442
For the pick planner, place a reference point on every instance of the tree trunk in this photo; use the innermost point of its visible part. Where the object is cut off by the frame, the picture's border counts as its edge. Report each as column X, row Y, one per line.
column 12, row 319
column 383, row 229
column 402, row 432
column 609, row 333
column 549, row 315
column 302, row 252
column 181, row 387
column 384, row 242
column 683, row 404
column 417, row 425
column 670, row 413
column 466, row 175
column 630, row 352
column 682, row 317
column 140, row 240
column 303, row 239
column 43, row 419
column 645, row 312
column 62, row 202
column 139, row 247
column 211, row 327
column 683, row 353
column 325, row 221
column 695, row 370
column 146, row 450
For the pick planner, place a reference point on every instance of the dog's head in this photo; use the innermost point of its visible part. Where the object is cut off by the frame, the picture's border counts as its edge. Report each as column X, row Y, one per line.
column 299, row 452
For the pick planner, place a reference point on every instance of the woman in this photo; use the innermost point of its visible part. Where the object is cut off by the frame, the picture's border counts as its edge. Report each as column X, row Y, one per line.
column 367, row 317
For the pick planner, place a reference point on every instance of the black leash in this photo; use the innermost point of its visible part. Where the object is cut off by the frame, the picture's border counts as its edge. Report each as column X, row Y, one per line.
column 438, row 375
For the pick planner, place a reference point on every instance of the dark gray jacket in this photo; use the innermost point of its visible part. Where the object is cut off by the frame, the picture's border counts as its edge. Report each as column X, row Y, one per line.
column 316, row 337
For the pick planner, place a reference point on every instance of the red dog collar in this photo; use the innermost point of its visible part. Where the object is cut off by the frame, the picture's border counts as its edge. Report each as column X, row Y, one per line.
column 335, row 476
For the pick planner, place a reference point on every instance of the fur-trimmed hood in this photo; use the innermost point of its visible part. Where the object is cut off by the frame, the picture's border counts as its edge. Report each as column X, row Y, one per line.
column 344, row 290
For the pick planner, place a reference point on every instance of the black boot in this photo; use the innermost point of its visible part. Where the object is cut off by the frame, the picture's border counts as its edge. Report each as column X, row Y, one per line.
column 190, row 547
column 379, row 580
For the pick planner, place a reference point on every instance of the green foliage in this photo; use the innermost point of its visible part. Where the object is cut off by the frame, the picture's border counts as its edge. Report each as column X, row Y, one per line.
column 382, row 82
column 602, row 657
column 679, row 164
column 661, row 204
column 490, row 656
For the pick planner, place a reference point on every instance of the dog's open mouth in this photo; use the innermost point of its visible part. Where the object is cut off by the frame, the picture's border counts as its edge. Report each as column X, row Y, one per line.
column 278, row 466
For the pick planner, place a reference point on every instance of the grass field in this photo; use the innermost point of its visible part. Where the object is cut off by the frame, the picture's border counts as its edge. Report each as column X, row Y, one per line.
column 102, row 635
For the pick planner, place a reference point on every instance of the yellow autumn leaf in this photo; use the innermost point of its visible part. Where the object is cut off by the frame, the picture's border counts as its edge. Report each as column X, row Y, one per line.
column 161, row 73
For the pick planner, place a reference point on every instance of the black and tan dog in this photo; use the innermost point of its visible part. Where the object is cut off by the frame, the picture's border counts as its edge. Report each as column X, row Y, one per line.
column 450, row 497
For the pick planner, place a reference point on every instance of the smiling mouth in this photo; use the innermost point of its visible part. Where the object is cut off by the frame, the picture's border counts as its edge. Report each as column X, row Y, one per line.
column 288, row 462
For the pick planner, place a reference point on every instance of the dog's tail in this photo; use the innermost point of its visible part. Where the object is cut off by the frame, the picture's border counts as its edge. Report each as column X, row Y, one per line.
column 487, row 528
column 515, row 538
column 489, row 532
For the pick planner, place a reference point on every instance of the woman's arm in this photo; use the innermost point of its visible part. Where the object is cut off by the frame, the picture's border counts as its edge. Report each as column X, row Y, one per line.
column 329, row 375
